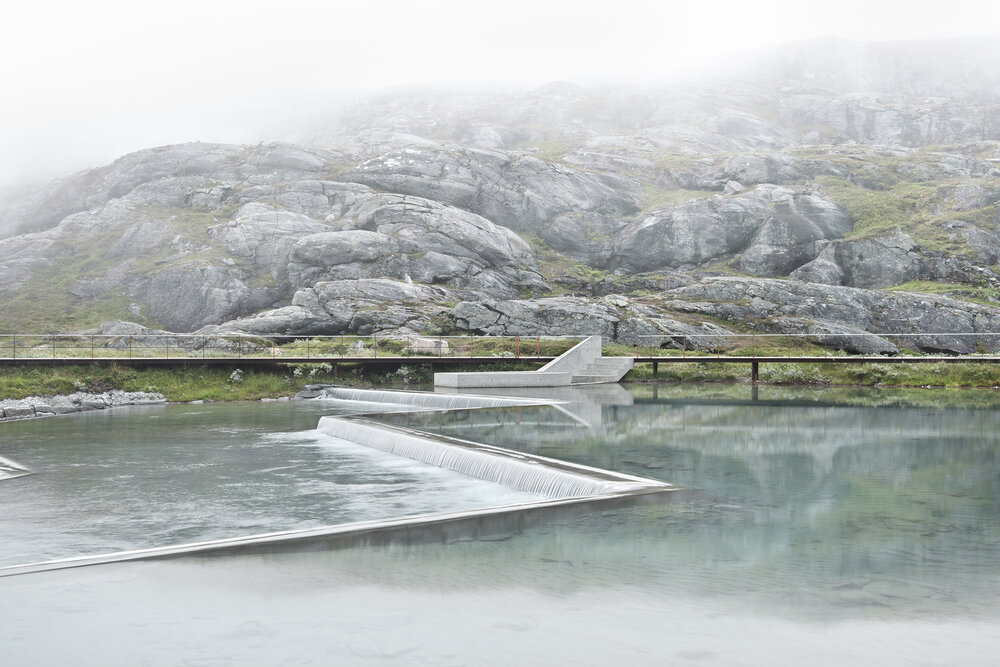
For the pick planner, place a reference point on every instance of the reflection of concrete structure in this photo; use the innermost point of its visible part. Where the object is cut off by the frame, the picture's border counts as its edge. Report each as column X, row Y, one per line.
column 584, row 403
column 581, row 364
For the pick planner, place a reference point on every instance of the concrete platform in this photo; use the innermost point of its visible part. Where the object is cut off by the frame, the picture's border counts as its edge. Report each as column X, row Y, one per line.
column 559, row 372
column 499, row 379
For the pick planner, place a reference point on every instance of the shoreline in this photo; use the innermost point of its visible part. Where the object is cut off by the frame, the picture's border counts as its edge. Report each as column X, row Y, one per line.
column 36, row 407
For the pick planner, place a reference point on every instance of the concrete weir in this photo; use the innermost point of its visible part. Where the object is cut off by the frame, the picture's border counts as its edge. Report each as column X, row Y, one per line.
column 526, row 472
column 425, row 529
column 567, row 487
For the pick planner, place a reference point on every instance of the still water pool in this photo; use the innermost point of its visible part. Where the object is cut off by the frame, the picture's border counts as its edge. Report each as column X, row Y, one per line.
column 818, row 527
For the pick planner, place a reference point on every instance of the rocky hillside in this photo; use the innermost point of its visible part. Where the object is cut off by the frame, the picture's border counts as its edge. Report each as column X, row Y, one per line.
column 863, row 197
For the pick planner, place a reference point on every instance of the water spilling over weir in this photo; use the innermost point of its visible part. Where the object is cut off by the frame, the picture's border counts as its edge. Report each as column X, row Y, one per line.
column 565, row 487
column 534, row 474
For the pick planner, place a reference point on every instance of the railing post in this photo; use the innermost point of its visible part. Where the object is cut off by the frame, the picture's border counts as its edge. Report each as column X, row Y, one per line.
column 375, row 343
column 307, row 347
column 13, row 346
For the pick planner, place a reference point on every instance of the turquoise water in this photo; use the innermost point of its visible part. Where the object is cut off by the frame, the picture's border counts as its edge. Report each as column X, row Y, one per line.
column 817, row 527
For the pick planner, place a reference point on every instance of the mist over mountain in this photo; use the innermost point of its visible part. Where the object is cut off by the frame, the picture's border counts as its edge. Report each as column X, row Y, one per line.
column 830, row 187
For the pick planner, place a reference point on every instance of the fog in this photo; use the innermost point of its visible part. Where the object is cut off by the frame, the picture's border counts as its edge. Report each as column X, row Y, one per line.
column 88, row 81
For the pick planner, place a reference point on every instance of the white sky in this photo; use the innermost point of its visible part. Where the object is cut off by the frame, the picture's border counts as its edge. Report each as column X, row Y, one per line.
column 84, row 82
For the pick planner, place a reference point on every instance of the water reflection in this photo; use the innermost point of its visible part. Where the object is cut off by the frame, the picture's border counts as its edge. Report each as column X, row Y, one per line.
column 821, row 526
column 800, row 495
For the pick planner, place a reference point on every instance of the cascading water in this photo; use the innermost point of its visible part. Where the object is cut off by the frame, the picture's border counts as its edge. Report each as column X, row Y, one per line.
column 535, row 474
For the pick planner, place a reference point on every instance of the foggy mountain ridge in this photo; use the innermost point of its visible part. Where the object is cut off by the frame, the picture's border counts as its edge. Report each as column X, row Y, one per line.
column 829, row 187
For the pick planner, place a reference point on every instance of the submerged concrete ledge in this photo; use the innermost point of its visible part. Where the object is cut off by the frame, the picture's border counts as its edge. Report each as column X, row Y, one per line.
column 11, row 469
column 423, row 529
column 413, row 400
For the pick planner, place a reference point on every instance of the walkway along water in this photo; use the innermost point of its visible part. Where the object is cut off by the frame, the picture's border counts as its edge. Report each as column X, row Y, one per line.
column 752, row 350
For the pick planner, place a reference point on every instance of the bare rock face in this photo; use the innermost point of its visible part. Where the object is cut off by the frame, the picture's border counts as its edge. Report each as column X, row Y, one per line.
column 896, row 258
column 171, row 171
column 613, row 317
column 203, row 234
column 690, row 234
column 349, row 307
column 866, row 118
column 574, row 212
column 401, row 237
column 792, row 235
column 775, row 228
column 785, row 306
column 419, row 203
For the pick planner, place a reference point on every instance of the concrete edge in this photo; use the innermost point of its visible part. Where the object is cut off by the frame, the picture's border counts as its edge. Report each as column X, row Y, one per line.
column 425, row 528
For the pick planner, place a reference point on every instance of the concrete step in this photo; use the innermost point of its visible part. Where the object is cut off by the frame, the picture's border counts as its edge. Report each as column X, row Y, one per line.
column 604, row 370
column 587, row 379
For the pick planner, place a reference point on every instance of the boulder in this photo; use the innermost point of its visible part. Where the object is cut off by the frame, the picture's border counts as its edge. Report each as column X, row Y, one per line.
column 775, row 228
column 792, row 236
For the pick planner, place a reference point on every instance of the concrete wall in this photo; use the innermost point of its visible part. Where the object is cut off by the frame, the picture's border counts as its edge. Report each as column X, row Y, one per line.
column 502, row 379
column 576, row 358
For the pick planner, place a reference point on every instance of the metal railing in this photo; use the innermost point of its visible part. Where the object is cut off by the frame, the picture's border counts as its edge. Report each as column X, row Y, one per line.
column 90, row 347
column 813, row 345
column 721, row 346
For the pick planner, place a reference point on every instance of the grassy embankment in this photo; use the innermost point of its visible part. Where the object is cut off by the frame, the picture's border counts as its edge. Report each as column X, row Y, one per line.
column 212, row 383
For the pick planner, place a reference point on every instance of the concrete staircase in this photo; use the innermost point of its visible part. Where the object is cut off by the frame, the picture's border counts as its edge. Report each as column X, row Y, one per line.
column 603, row 369
column 581, row 364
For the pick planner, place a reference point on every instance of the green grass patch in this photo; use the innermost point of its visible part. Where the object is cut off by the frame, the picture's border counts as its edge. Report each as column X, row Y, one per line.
column 44, row 302
column 918, row 209
column 550, row 149
column 177, row 384
column 553, row 264
column 987, row 296
column 949, row 375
